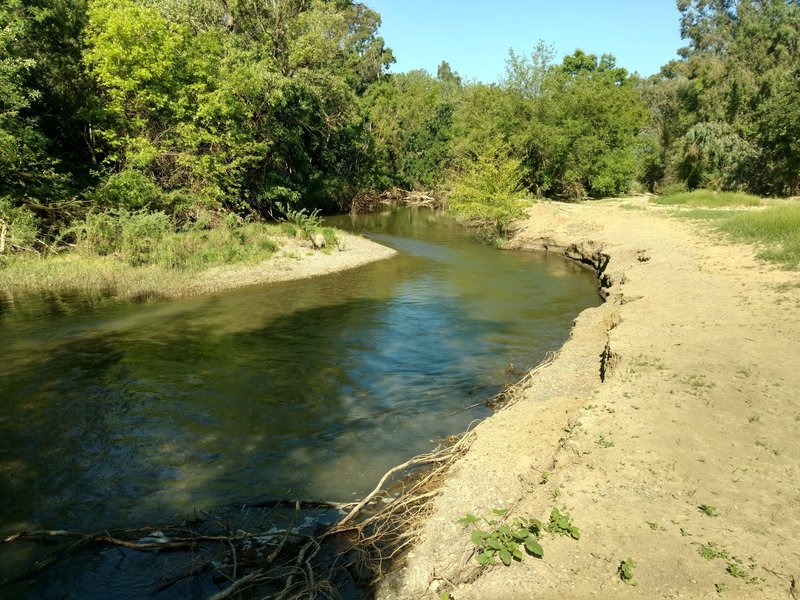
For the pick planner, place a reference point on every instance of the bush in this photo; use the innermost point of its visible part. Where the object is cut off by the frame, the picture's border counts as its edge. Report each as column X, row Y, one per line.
column 488, row 193
column 98, row 234
column 131, row 191
column 307, row 222
column 142, row 233
column 21, row 226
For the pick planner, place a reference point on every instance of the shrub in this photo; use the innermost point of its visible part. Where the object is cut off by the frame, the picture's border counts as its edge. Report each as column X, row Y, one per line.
column 488, row 193
column 98, row 234
column 132, row 191
column 19, row 225
column 142, row 234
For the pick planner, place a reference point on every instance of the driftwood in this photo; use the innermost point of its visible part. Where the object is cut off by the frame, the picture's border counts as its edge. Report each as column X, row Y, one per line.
column 362, row 546
column 511, row 393
column 371, row 201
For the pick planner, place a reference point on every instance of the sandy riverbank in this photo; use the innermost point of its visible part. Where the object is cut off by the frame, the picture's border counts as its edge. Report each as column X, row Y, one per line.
column 294, row 259
column 681, row 391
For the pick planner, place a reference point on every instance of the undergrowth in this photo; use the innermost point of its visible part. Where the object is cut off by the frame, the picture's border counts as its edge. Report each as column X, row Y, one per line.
column 129, row 254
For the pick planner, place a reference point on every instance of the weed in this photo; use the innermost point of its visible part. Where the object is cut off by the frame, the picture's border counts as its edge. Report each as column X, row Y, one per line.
column 504, row 540
column 289, row 229
column 699, row 384
column 307, row 222
column 625, row 571
column 561, row 524
column 711, row 550
column 445, row 596
column 708, row 510
column 544, row 477
column 644, row 361
column 604, row 442
column 735, row 570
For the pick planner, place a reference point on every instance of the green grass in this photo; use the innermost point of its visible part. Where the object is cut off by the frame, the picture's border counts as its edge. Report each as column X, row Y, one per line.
column 158, row 266
column 704, row 214
column 708, row 199
column 776, row 230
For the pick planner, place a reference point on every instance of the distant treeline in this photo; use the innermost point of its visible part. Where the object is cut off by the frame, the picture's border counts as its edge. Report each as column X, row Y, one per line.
column 177, row 106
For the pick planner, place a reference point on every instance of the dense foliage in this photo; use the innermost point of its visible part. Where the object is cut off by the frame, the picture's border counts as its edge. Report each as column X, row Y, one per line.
column 727, row 115
column 179, row 107
column 169, row 105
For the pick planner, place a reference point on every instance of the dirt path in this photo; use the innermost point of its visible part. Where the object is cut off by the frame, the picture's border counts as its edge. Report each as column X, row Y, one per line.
column 681, row 391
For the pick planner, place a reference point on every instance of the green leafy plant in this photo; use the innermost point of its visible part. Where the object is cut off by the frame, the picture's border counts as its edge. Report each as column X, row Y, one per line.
column 711, row 551
column 735, row 570
column 561, row 524
column 504, row 540
column 709, row 510
column 306, row 222
column 625, row 570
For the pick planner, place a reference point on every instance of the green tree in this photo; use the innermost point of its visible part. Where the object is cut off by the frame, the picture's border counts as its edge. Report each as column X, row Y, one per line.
column 583, row 136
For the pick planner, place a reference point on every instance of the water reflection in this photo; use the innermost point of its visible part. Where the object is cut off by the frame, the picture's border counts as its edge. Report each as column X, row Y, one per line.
column 115, row 414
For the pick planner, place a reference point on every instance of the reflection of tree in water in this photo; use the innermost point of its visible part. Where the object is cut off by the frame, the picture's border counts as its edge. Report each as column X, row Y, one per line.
column 58, row 432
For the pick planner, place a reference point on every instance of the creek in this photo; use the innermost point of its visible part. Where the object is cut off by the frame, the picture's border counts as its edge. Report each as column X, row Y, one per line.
column 118, row 414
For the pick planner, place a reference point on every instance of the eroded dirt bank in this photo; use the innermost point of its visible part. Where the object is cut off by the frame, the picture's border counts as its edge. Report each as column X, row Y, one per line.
column 682, row 391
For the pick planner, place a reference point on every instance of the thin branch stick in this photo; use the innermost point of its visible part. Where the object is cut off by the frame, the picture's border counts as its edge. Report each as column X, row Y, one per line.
column 235, row 586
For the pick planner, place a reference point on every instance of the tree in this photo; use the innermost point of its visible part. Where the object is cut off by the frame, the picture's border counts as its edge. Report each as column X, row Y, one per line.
column 582, row 138
column 743, row 73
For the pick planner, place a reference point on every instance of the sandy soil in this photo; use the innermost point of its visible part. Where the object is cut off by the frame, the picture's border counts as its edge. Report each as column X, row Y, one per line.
column 681, row 391
column 294, row 260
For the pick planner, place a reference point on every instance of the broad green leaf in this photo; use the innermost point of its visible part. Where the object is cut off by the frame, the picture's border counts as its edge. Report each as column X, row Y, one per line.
column 575, row 533
column 494, row 543
column 505, row 556
column 477, row 537
column 501, row 512
column 533, row 546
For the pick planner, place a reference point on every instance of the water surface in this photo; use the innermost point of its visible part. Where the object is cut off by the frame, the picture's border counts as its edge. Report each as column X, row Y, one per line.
column 117, row 414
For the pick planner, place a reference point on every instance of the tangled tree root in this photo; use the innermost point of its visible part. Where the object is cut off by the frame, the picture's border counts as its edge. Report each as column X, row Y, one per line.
column 355, row 551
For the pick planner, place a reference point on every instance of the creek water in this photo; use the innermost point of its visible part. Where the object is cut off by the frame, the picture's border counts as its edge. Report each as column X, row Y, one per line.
column 121, row 414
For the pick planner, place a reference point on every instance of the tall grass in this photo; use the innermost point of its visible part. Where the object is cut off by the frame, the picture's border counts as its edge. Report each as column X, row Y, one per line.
column 708, row 199
column 776, row 230
column 139, row 255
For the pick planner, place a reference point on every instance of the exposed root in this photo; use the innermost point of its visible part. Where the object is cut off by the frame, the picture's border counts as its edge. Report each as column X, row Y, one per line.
column 360, row 548
column 514, row 391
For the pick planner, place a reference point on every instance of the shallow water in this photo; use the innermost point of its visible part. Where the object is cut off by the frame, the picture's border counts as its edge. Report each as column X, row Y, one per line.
column 117, row 414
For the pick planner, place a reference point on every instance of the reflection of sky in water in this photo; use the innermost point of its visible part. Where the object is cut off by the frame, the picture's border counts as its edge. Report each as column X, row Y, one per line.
column 121, row 413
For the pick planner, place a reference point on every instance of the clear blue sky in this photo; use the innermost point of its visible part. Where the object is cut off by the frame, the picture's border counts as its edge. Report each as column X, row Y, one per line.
column 474, row 35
